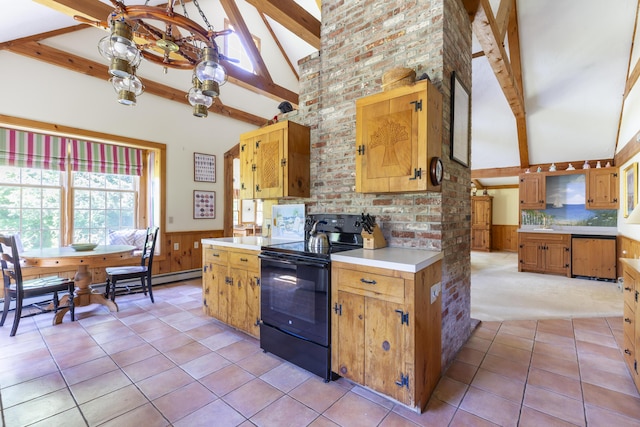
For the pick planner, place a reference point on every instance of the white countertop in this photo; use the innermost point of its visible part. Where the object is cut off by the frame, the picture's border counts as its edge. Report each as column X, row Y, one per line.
column 402, row 259
column 247, row 242
column 589, row 231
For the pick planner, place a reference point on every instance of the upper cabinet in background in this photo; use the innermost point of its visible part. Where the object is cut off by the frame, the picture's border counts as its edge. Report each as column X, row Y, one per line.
column 274, row 162
column 602, row 186
column 398, row 133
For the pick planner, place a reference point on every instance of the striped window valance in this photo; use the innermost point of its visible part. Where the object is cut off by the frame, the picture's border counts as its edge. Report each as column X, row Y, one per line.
column 32, row 150
column 87, row 156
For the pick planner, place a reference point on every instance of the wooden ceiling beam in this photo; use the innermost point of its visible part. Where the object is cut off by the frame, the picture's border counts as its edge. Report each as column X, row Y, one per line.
column 93, row 10
column 503, row 17
column 293, row 17
column 78, row 64
column 240, row 28
column 282, row 51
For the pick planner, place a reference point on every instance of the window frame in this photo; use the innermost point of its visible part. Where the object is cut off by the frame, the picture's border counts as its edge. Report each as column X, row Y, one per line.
column 154, row 165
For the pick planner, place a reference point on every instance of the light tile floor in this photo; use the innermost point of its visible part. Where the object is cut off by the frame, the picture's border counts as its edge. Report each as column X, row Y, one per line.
column 166, row 364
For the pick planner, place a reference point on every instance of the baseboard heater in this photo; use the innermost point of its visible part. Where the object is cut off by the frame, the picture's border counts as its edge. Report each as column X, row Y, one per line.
column 158, row 279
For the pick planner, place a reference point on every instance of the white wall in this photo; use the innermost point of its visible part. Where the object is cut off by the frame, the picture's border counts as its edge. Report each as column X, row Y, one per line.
column 505, row 206
column 37, row 91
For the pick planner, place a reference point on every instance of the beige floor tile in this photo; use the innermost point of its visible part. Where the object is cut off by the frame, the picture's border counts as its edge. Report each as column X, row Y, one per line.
column 554, row 404
column 565, row 386
column 99, row 386
column 355, row 411
column 622, row 383
column 529, row 417
column 317, row 394
column 39, row 409
column 171, row 341
column 25, row 391
column 26, row 370
column 221, row 340
column 372, row 396
column 164, row 382
column 187, row 353
column 318, row 422
column 285, row 412
column 113, row 405
column 613, row 401
column 490, row 407
column 595, row 325
column 227, row 379
column 559, row 351
column 450, row 391
column 562, row 327
column 286, row 377
column 239, row 350
column 69, row 418
column 79, row 356
column 436, row 413
column 162, row 331
column 223, row 414
column 590, row 361
column 518, row 329
column 499, row 385
column 260, row 363
column 147, row 368
column 505, row 367
column 121, row 344
column 485, row 333
column 205, row 365
column 146, row 415
column 514, row 341
column 394, row 420
column 252, row 397
column 596, row 338
column 205, row 330
column 465, row 419
column 510, row 353
column 135, row 354
column 477, row 343
column 597, row 416
column 183, row 401
column 462, row 372
column 567, row 368
column 470, row 355
column 551, row 338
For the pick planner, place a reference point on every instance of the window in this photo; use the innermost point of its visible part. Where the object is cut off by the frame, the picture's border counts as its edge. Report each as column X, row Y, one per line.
column 55, row 191
column 234, row 49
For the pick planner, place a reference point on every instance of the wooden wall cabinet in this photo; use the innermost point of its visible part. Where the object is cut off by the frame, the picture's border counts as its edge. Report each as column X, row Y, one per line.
column 481, row 222
column 398, row 132
column 630, row 323
column 544, row 253
column 593, row 257
column 275, row 162
column 386, row 330
column 231, row 287
column 603, row 186
column 532, row 190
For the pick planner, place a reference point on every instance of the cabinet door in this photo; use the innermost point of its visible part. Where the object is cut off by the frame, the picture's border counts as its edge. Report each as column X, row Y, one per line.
column 253, row 304
column 238, row 299
column 602, row 188
column 480, row 239
column 384, row 344
column 247, row 166
column 532, row 191
column 530, row 255
column 556, row 258
column 393, row 131
column 269, row 173
column 351, row 336
column 481, row 212
column 223, row 283
column 593, row 258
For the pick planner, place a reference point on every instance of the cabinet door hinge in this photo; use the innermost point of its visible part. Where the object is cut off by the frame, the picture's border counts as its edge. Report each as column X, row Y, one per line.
column 361, row 150
column 283, row 162
column 566, row 249
column 257, row 322
column 615, row 174
column 204, row 268
column 228, row 280
column 637, row 296
column 258, row 143
column 258, row 188
column 257, row 281
column 566, row 266
column 635, row 366
column 417, row 105
column 253, row 167
column 337, row 308
column 242, row 147
column 404, row 317
column 404, row 381
column 417, row 174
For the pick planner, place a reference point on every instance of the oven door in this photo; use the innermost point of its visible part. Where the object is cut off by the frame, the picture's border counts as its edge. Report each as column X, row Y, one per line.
column 294, row 296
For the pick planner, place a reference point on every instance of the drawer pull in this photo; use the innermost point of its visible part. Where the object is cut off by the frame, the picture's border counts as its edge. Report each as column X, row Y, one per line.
column 244, row 260
column 626, row 319
column 626, row 288
column 216, row 255
column 627, row 351
column 367, row 281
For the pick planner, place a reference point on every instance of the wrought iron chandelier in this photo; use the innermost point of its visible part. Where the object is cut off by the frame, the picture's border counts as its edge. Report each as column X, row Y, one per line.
column 164, row 37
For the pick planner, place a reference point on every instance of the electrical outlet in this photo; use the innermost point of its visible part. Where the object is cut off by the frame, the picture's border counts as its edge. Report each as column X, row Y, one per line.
column 176, row 246
column 196, row 245
column 435, row 291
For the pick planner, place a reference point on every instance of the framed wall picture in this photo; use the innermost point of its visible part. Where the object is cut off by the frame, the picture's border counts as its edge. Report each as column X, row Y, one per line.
column 204, row 204
column 630, row 193
column 204, row 167
column 460, row 112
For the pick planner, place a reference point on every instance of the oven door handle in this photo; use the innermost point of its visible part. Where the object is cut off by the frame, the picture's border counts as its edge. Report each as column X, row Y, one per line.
column 295, row 261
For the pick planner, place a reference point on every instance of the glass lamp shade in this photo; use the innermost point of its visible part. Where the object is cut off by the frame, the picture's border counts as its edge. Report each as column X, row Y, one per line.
column 120, row 49
column 200, row 102
column 210, row 72
column 127, row 88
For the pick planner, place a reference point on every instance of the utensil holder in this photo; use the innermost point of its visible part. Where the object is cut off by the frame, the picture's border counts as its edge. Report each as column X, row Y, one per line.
column 373, row 240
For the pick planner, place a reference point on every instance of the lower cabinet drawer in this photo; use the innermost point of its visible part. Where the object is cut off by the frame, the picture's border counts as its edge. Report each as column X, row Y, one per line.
column 628, row 321
column 372, row 285
column 629, row 352
column 244, row 261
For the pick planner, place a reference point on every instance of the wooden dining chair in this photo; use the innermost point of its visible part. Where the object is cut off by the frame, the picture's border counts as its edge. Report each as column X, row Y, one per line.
column 16, row 289
column 142, row 271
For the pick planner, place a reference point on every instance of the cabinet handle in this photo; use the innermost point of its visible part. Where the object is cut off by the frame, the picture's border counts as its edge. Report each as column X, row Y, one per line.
column 216, row 255
column 627, row 351
column 367, row 281
column 626, row 319
column 626, row 288
column 244, row 260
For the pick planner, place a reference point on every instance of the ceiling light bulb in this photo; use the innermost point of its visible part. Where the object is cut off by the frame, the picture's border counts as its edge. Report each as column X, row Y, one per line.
column 127, row 88
column 210, row 72
column 119, row 47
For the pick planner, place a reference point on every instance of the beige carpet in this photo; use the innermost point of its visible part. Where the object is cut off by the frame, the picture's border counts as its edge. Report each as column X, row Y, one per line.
column 499, row 292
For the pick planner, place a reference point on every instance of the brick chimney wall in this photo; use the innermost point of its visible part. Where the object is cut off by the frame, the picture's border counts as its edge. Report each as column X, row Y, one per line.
column 360, row 41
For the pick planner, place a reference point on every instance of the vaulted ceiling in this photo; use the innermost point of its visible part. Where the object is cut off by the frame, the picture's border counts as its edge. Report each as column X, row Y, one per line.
column 549, row 77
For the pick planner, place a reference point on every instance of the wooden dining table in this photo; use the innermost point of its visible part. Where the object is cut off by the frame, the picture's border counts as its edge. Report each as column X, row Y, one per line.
column 101, row 256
